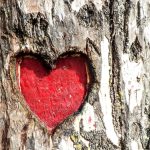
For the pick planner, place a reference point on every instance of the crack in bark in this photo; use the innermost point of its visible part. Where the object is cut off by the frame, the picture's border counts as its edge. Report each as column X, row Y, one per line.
column 119, row 113
column 126, row 20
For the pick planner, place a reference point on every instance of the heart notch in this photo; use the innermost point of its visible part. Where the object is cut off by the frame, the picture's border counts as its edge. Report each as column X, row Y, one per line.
column 53, row 95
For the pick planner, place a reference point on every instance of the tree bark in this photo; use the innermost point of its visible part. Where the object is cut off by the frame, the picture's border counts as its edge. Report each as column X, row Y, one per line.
column 115, row 36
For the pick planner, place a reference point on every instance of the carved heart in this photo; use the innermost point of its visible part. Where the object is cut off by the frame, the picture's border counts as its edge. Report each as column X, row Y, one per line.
column 53, row 95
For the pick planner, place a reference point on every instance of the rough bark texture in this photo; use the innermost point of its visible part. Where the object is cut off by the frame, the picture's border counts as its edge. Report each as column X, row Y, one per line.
column 115, row 36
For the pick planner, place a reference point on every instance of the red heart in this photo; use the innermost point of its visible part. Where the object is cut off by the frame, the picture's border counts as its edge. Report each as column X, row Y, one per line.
column 53, row 95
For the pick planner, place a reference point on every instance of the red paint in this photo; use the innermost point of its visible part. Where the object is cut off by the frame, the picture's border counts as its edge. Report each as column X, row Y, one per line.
column 94, row 125
column 53, row 95
column 90, row 119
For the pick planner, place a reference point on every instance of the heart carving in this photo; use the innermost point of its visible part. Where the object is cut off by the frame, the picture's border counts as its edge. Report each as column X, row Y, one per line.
column 53, row 95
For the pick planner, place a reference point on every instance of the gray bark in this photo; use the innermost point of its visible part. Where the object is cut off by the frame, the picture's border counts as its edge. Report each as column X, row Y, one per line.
column 115, row 36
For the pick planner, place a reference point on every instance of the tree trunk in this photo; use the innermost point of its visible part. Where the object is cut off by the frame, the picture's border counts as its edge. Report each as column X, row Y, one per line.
column 114, row 35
